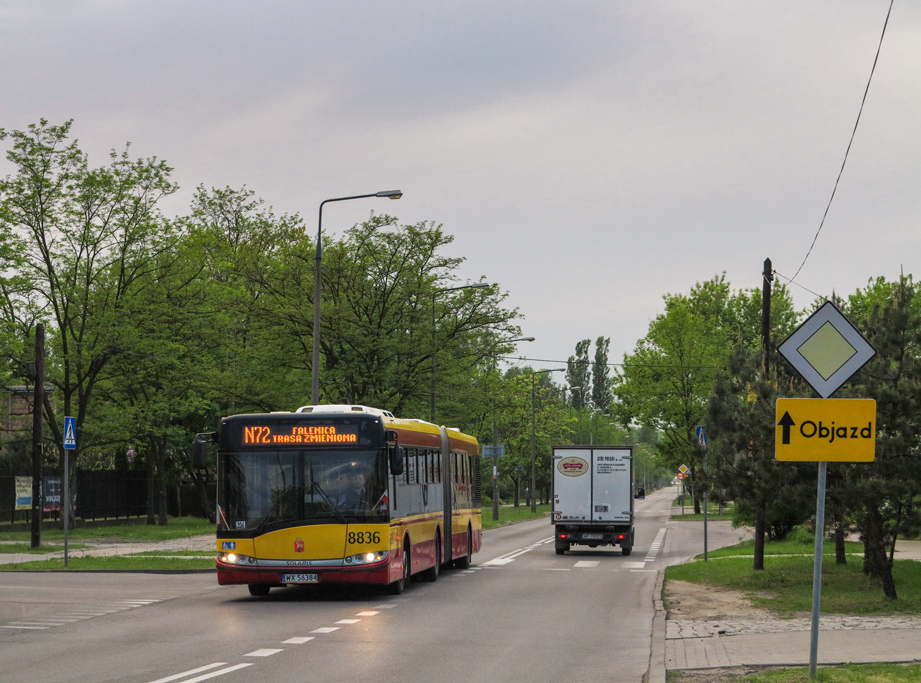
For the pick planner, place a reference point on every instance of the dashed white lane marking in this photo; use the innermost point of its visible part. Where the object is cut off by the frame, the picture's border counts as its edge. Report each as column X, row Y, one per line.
column 656, row 545
column 221, row 672
column 632, row 565
column 325, row 629
column 300, row 640
column 366, row 614
column 586, row 564
column 25, row 628
column 508, row 557
column 390, row 606
column 264, row 652
column 348, row 621
column 189, row 673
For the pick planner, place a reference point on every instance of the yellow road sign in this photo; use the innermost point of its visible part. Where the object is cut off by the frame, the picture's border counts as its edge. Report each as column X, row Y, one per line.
column 829, row 429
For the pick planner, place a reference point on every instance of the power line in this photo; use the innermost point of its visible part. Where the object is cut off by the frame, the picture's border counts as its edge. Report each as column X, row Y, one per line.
column 853, row 133
column 821, row 296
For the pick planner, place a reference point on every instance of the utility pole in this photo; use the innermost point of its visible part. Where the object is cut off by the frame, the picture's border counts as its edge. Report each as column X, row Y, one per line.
column 38, row 398
column 767, row 279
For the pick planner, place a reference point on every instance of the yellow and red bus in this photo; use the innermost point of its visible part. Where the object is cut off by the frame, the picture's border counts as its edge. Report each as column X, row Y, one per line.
column 346, row 494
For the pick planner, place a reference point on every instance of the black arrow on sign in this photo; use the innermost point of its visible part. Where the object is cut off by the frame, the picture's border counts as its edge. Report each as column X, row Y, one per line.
column 786, row 422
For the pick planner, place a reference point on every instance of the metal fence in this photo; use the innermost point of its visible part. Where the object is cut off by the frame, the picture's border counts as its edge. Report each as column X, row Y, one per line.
column 97, row 494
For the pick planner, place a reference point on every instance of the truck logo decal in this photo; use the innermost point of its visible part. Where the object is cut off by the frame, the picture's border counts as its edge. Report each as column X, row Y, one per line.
column 573, row 467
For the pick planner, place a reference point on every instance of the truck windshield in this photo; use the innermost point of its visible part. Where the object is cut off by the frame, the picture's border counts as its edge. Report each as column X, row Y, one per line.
column 266, row 489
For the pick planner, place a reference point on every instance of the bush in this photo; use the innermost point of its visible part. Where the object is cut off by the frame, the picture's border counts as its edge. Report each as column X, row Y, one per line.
column 802, row 534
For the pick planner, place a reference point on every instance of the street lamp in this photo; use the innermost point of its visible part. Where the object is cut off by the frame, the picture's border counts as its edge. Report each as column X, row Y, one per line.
column 315, row 379
column 533, row 456
column 495, row 445
column 476, row 285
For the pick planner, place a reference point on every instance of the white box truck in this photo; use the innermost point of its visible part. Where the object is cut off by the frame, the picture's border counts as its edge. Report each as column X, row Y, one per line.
column 593, row 497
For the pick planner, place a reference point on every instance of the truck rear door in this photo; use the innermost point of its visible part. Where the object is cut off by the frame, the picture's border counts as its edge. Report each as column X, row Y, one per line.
column 611, row 485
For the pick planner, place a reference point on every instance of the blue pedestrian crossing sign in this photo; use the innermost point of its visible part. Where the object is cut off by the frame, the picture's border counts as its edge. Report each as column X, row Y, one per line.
column 70, row 433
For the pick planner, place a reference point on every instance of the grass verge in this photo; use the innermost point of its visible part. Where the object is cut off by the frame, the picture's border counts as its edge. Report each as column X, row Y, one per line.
column 19, row 548
column 785, row 584
column 845, row 673
column 509, row 515
column 784, row 548
column 113, row 563
column 178, row 527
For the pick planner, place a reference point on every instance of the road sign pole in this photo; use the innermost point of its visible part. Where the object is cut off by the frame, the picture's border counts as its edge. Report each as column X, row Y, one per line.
column 817, row 568
column 66, row 506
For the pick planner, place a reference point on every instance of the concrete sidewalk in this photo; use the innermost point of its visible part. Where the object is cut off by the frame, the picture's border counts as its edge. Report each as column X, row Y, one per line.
column 764, row 640
column 205, row 544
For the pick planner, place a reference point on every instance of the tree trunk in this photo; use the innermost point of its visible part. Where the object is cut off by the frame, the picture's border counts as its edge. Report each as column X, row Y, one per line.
column 875, row 561
column 151, row 490
column 201, row 483
column 759, row 538
column 164, row 496
column 840, row 554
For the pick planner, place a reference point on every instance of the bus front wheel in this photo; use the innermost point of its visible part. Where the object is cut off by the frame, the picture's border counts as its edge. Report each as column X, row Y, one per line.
column 398, row 586
column 259, row 590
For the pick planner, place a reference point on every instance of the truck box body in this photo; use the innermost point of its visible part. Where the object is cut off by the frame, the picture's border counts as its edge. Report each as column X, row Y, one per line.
column 593, row 496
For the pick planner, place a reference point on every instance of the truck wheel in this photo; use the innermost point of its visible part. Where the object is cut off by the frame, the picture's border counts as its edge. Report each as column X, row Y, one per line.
column 560, row 551
column 625, row 550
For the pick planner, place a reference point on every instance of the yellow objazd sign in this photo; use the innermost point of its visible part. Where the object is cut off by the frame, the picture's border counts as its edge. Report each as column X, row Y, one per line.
column 826, row 429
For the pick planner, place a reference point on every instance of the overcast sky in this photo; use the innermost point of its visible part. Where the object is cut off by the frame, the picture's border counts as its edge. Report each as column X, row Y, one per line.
column 587, row 156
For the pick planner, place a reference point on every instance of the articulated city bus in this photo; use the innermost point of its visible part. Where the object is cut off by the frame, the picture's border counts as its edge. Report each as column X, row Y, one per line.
column 343, row 493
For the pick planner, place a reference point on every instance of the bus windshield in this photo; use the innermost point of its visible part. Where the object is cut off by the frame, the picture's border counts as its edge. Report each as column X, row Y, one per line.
column 266, row 489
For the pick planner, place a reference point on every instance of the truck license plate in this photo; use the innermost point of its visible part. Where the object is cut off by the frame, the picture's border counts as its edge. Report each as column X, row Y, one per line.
column 299, row 578
column 592, row 537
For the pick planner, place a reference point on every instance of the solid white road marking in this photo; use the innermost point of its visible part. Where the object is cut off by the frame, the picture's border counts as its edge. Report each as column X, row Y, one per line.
column 300, row 640
column 265, row 652
column 189, row 673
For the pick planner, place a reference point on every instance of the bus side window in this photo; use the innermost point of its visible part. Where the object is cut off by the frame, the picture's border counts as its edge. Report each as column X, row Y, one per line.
column 427, row 471
column 408, row 455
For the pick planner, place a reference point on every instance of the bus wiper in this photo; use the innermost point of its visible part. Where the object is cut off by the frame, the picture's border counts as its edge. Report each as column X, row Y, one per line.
column 315, row 486
column 272, row 513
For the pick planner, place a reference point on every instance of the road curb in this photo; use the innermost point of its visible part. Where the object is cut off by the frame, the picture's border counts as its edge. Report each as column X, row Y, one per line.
column 656, row 673
column 108, row 571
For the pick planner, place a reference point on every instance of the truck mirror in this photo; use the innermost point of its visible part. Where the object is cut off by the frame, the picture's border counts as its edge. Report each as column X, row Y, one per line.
column 199, row 454
column 396, row 459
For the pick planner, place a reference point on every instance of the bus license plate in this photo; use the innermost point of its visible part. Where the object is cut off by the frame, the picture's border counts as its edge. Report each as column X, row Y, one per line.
column 299, row 578
column 592, row 537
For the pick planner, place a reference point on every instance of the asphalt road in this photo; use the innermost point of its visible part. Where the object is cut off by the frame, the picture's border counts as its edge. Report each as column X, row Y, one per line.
column 521, row 613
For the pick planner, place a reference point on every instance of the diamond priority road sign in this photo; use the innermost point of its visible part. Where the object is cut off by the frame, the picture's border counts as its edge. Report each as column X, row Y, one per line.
column 826, row 430
column 826, row 350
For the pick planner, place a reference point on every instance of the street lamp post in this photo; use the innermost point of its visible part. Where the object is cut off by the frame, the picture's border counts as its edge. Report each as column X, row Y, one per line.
column 435, row 293
column 495, row 446
column 533, row 428
column 315, row 376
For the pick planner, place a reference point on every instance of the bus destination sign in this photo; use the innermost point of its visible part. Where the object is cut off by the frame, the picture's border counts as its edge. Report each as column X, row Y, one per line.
column 295, row 435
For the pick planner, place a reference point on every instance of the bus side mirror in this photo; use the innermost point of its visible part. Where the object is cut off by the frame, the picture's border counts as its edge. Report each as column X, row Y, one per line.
column 396, row 459
column 199, row 454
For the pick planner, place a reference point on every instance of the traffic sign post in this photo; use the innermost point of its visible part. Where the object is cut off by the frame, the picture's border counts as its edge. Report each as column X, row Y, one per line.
column 70, row 443
column 702, row 442
column 826, row 350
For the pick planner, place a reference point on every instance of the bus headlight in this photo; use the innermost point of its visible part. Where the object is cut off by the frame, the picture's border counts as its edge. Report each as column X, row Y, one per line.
column 367, row 558
column 233, row 558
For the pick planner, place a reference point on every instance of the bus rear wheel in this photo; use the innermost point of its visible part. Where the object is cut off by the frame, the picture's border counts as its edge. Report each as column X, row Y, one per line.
column 431, row 574
column 259, row 590
column 464, row 562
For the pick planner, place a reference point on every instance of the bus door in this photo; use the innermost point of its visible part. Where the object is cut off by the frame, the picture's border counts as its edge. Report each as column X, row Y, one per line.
column 447, row 478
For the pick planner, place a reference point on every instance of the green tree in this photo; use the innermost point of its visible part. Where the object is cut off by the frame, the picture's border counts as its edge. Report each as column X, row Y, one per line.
column 579, row 375
column 601, row 381
column 86, row 239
